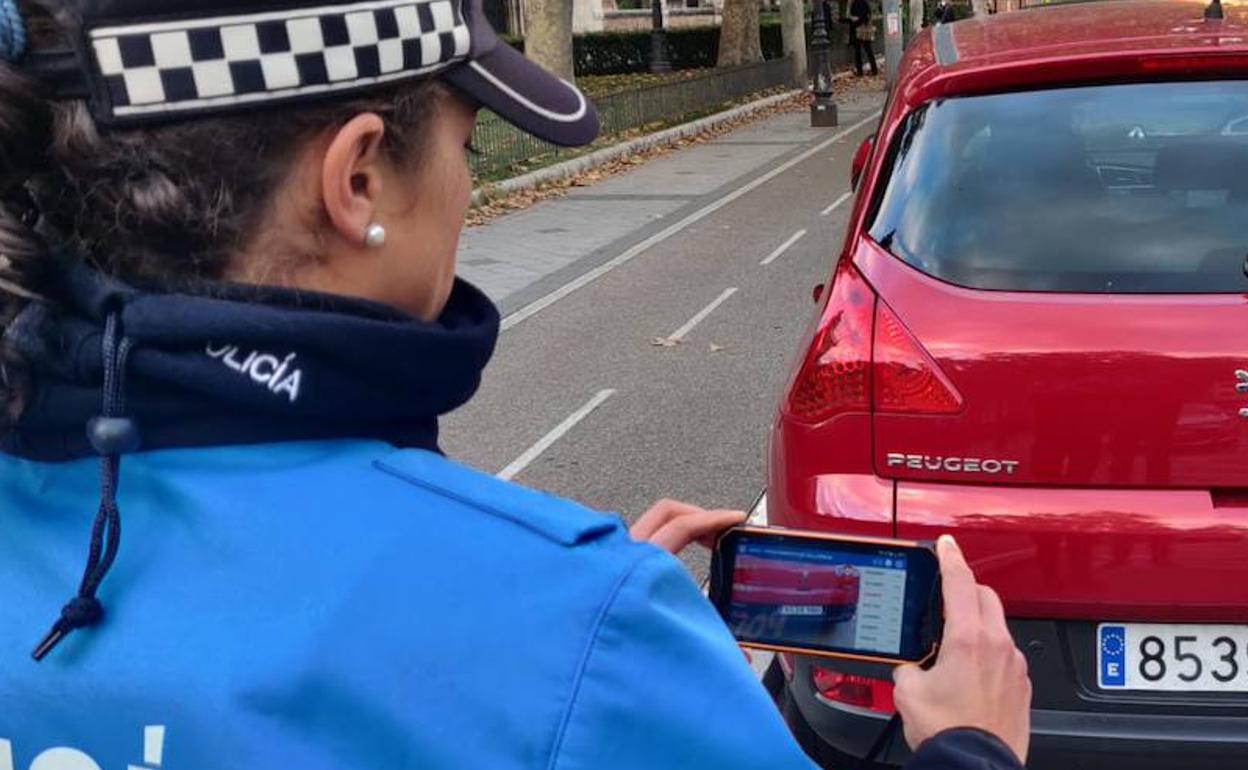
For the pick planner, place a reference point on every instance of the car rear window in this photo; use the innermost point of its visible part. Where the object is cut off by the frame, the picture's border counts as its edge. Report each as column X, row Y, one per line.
column 1124, row 189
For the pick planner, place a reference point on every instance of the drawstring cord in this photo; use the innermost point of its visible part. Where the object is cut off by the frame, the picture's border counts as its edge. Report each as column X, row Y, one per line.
column 112, row 435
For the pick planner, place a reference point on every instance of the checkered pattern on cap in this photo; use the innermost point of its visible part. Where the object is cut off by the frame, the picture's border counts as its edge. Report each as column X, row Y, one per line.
column 210, row 64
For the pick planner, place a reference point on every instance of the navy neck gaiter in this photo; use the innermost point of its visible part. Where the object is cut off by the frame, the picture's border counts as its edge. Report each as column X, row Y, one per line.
column 224, row 364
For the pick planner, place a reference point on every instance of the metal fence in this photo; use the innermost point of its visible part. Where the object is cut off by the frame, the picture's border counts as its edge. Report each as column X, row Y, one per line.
column 505, row 149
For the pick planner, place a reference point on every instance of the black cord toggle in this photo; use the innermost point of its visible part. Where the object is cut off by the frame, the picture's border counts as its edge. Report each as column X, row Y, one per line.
column 111, row 436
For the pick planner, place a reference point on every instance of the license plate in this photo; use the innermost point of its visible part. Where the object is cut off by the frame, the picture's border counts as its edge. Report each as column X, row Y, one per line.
column 790, row 609
column 1191, row 658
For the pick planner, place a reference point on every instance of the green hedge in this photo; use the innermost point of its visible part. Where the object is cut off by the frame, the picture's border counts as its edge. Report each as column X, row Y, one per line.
column 621, row 53
column 618, row 53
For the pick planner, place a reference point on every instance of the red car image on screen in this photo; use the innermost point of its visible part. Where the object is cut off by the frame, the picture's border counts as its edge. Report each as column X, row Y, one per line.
column 795, row 589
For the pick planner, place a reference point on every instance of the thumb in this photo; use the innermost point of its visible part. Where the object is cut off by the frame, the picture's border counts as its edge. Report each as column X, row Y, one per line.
column 905, row 676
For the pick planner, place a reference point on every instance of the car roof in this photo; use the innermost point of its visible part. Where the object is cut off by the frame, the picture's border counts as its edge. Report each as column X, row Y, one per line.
column 1069, row 43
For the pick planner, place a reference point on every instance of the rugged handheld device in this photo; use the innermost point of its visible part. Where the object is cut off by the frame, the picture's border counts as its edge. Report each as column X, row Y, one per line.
column 831, row 596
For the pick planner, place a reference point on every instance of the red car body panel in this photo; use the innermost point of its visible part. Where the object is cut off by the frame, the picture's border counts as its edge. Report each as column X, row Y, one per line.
column 1079, row 44
column 1129, row 497
column 1082, row 390
column 1093, row 554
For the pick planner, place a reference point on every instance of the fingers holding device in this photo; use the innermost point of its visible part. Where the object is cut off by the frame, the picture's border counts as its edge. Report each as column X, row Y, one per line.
column 980, row 677
column 900, row 602
column 674, row 526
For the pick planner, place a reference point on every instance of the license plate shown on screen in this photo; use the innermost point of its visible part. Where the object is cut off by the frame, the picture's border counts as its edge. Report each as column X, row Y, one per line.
column 791, row 610
column 1170, row 657
column 821, row 595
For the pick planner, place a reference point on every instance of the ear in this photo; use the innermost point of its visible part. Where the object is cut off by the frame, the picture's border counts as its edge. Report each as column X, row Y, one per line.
column 351, row 178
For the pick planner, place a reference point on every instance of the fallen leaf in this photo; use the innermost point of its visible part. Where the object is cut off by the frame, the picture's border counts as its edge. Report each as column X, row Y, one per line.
column 717, row 348
column 665, row 342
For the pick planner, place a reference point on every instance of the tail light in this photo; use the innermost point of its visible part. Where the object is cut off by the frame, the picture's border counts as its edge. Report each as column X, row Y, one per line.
column 906, row 378
column 836, row 375
column 862, row 357
column 860, row 692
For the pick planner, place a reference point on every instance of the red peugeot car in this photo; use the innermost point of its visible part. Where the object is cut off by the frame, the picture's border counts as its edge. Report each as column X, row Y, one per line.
column 797, row 591
column 1036, row 337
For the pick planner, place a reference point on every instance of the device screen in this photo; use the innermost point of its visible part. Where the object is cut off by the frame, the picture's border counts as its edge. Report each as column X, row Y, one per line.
column 842, row 597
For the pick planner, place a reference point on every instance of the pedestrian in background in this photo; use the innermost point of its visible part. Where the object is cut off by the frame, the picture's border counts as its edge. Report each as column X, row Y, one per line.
column 862, row 36
column 944, row 12
column 230, row 313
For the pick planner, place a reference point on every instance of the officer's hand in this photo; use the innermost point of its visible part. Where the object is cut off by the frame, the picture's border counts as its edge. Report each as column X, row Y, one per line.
column 980, row 678
column 674, row 526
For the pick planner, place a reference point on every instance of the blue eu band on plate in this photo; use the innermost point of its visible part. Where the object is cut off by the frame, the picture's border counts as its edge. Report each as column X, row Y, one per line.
column 1172, row 657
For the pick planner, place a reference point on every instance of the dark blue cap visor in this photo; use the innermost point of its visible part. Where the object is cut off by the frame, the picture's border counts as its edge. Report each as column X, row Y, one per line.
column 527, row 96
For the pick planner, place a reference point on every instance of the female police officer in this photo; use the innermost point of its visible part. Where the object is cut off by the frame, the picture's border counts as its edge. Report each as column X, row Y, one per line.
column 227, row 291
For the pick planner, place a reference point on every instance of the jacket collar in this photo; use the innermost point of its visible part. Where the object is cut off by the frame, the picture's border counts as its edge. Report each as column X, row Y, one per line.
column 221, row 364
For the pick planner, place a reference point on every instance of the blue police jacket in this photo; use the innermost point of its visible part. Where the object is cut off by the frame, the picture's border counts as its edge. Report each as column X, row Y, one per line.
column 329, row 600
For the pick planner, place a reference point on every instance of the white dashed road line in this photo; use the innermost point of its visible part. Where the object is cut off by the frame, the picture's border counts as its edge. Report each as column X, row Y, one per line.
column 836, row 204
column 683, row 331
column 532, row 309
column 773, row 256
column 547, row 441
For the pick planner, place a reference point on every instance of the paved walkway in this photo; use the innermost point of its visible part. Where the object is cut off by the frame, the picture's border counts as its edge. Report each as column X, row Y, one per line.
column 523, row 256
column 712, row 252
column 579, row 401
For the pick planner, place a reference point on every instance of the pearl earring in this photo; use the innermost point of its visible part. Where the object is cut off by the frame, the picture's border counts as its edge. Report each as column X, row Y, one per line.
column 375, row 236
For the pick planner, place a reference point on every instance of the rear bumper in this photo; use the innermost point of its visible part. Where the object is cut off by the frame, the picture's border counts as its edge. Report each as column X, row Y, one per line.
column 1072, row 728
column 1069, row 740
column 1078, row 554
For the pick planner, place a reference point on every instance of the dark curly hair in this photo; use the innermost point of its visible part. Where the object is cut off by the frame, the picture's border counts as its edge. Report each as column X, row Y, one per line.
column 154, row 206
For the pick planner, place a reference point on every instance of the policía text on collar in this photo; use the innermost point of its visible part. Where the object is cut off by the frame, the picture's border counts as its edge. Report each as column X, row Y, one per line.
column 276, row 373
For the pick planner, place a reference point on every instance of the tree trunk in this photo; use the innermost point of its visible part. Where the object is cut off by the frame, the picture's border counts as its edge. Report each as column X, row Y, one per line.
column 916, row 18
column 793, row 22
column 548, row 35
column 739, row 39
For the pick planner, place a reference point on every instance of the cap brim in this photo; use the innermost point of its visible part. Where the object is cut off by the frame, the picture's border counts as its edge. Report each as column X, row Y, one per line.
column 527, row 96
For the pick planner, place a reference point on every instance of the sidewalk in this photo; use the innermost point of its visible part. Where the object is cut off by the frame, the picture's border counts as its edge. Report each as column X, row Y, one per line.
column 523, row 256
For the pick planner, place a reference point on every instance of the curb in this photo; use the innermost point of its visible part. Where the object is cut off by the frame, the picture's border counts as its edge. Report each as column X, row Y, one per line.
column 575, row 166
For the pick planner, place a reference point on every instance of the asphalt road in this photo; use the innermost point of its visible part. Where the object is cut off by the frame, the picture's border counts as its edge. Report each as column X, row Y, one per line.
column 689, row 420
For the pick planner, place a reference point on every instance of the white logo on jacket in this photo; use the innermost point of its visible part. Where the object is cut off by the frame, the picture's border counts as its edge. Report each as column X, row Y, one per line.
column 64, row 758
column 267, row 369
